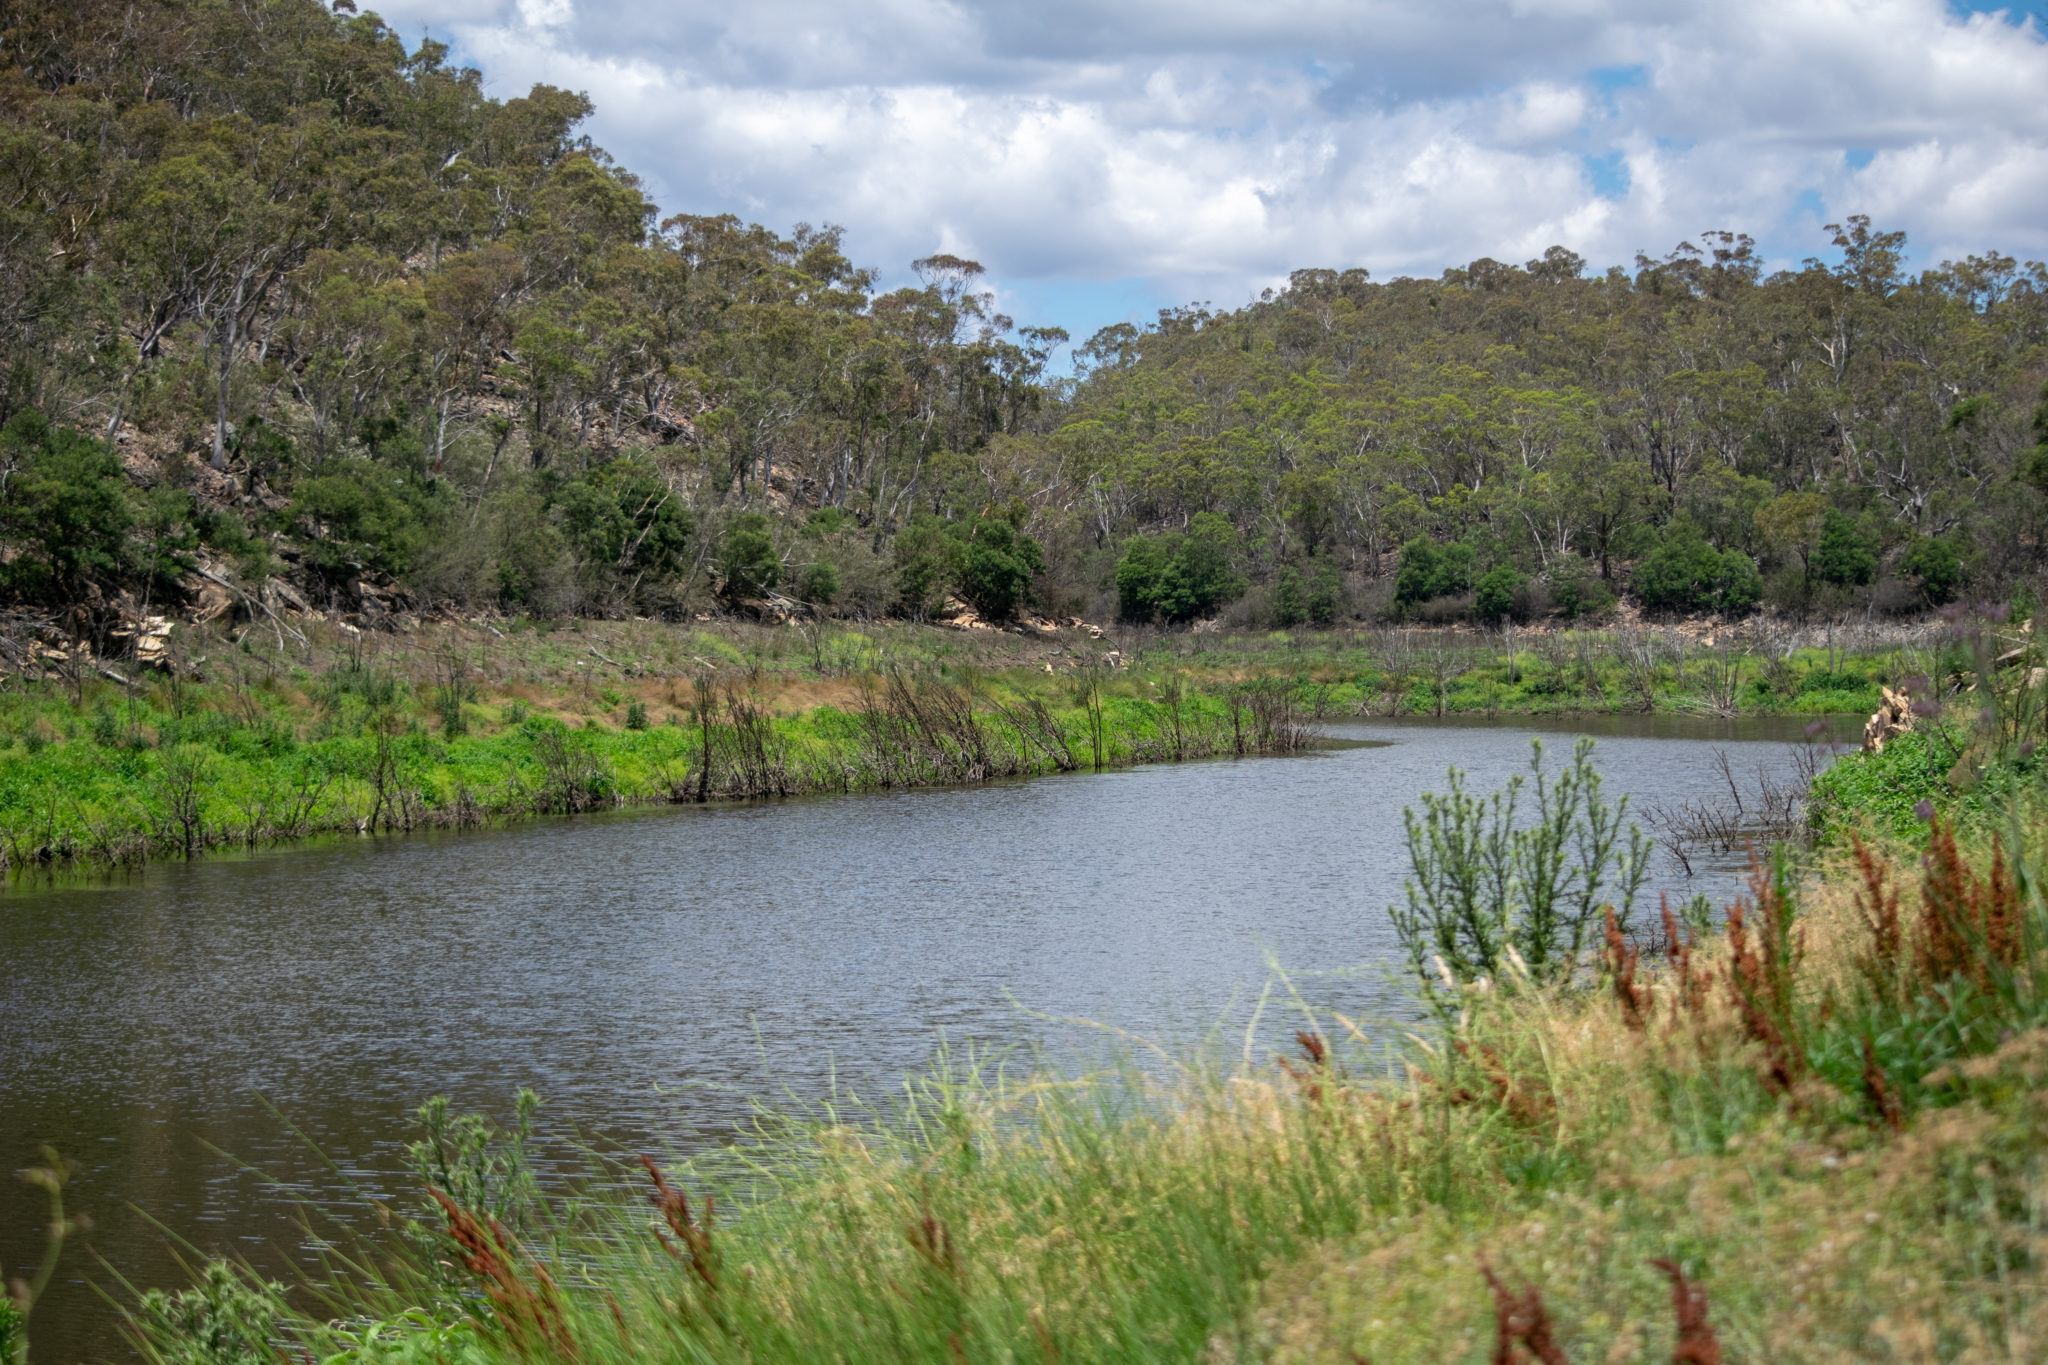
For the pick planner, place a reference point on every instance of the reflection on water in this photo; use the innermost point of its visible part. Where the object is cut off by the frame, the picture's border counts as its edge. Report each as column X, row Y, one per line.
column 654, row 972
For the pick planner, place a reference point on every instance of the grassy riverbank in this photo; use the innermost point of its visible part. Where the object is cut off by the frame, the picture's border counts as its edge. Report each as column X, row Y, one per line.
column 1829, row 1120
column 257, row 737
column 124, row 776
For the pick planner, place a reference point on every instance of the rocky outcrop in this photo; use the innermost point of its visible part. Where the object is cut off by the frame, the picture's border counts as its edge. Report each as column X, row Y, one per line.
column 1893, row 717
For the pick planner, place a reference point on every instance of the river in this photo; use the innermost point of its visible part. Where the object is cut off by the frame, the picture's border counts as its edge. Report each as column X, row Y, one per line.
column 184, row 1034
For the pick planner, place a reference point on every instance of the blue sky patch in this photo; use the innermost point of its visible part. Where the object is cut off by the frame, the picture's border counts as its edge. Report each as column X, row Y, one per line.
column 1608, row 174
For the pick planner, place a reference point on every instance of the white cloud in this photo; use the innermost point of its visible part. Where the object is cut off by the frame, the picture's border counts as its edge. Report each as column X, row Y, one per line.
column 1208, row 146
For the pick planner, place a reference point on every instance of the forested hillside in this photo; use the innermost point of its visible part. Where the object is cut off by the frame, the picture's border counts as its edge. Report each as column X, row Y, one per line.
column 1705, row 434
column 295, row 318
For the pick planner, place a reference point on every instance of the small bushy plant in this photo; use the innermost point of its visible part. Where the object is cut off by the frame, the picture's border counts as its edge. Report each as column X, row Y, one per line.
column 1489, row 889
column 997, row 566
column 1843, row 558
column 1932, row 564
column 1179, row 577
column 1493, row 597
column 229, row 1318
column 748, row 563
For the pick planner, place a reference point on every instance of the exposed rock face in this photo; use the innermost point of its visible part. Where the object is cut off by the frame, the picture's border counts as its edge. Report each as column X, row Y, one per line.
column 1894, row 716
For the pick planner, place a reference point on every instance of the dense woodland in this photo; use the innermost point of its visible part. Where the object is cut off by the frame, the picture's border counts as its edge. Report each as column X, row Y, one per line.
column 290, row 308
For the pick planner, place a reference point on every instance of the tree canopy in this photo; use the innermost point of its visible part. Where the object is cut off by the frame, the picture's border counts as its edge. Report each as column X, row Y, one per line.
column 281, row 293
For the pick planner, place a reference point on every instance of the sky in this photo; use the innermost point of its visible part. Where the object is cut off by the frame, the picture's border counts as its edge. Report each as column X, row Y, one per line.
column 1103, row 161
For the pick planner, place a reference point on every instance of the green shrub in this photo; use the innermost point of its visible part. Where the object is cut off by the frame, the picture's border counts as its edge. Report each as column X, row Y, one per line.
column 1489, row 884
column 1933, row 565
column 623, row 517
column 358, row 516
column 1141, row 573
column 636, row 715
column 1493, row 598
column 829, row 521
column 1430, row 570
column 1842, row 558
column 1576, row 592
column 11, row 1329
column 996, row 568
column 229, row 1319
column 747, row 562
column 66, row 510
column 927, row 562
column 1181, row 576
column 1684, row 573
column 818, row 584
column 1324, row 600
column 1290, row 598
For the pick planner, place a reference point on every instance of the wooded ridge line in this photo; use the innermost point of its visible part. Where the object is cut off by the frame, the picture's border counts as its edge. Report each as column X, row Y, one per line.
column 291, row 313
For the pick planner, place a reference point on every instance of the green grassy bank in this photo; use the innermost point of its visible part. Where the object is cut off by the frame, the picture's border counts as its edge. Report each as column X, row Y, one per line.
column 256, row 738
column 148, row 771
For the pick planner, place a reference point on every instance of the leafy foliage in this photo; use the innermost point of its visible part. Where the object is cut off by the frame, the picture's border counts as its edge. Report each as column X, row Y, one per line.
column 1493, row 597
column 227, row 1319
column 1179, row 576
column 1492, row 895
column 748, row 563
column 1842, row 558
column 1430, row 570
column 66, row 507
column 997, row 566
column 1684, row 573
column 1934, row 564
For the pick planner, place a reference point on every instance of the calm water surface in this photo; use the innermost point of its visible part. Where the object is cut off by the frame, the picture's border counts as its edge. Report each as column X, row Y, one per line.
column 655, row 972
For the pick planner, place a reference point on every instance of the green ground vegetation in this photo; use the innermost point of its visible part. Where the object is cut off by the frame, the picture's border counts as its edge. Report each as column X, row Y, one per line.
column 251, row 737
column 1978, row 718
